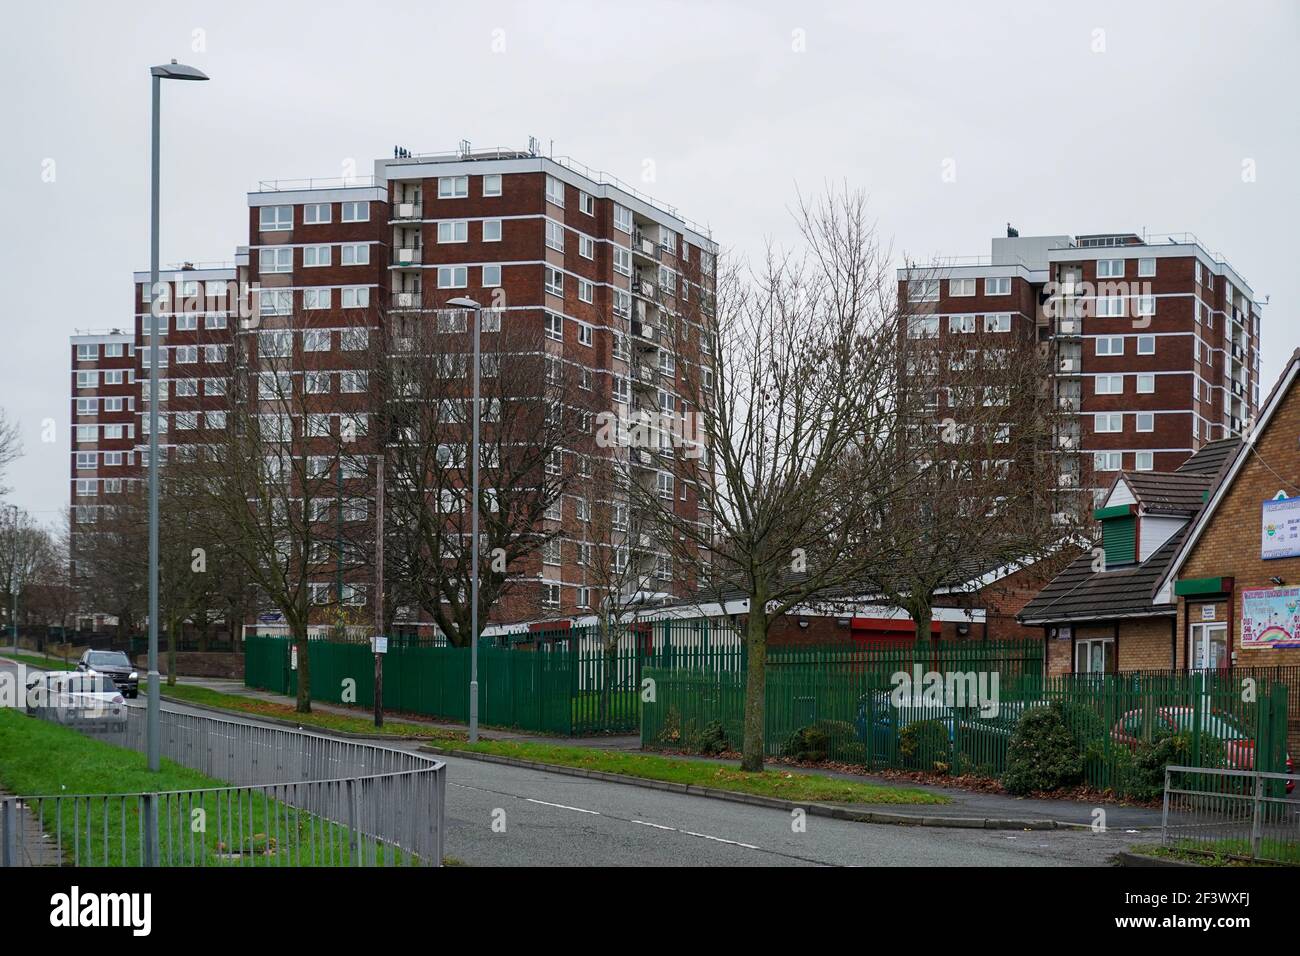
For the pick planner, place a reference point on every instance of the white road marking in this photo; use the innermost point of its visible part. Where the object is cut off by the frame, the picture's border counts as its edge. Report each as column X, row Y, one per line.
column 702, row 836
column 657, row 826
column 561, row 806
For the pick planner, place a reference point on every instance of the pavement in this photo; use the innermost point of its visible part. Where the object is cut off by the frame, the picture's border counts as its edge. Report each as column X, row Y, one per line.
column 512, row 816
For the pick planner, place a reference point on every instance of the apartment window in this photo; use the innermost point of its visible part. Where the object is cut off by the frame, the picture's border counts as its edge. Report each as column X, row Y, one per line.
column 584, row 594
column 1109, row 422
column 88, row 379
column 961, row 323
column 622, row 303
column 187, row 421
column 622, row 350
column 550, row 594
column 554, row 281
column 923, row 290
column 586, row 203
column 453, row 277
column 315, row 256
column 586, row 291
column 354, row 381
column 961, row 287
column 186, row 387
column 1146, row 384
column 275, row 344
column 667, row 402
column 664, row 484
column 622, row 260
column 213, row 354
column 1146, row 345
column 585, row 334
column 1110, row 268
column 1109, row 385
column 355, row 297
column 1146, row 422
column 279, row 259
column 1110, row 345
column 214, row 386
column 622, row 219
column 316, row 383
column 113, row 351
column 113, row 404
column 114, row 431
column 317, row 298
column 1146, row 268
column 214, row 320
column 491, row 230
column 1110, row 306
column 453, row 187
column 555, row 235
column 187, row 322
column 1144, row 305
column 922, row 326
column 491, row 277
column 356, row 212
column 554, row 191
column 622, row 389
column 1144, row 461
column 275, row 218
column 317, row 426
column 586, row 247
column 87, row 406
column 355, row 254
column 1000, row 322
column 492, row 184
column 997, row 286
column 86, row 459
column 354, row 340
column 316, row 340
column 274, row 301
column 1108, row 461
column 112, row 459
column 554, row 326
column 87, row 486
column 315, row 213
column 187, row 354
column 453, row 231
column 86, row 353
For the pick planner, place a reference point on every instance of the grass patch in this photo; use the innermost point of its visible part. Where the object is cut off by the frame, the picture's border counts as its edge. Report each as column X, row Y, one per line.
column 786, row 785
column 36, row 660
column 1223, row 852
column 322, row 720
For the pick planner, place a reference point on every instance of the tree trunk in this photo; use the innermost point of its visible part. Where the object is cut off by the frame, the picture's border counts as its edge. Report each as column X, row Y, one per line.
column 923, row 615
column 755, row 687
column 304, row 667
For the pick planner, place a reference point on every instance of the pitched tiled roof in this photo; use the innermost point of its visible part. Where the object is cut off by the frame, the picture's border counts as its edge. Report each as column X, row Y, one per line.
column 1169, row 494
column 1211, row 458
column 1080, row 594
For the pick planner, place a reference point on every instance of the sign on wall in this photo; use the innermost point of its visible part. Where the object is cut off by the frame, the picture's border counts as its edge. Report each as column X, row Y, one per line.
column 1270, row 618
column 1280, row 530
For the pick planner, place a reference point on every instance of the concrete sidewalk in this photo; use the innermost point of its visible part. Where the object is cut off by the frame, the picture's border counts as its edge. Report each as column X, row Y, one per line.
column 34, row 847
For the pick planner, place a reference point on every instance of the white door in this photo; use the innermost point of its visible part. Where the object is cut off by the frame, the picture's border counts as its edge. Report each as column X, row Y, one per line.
column 1209, row 646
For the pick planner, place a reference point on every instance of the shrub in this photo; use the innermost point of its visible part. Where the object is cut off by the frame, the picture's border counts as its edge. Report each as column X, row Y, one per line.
column 1042, row 754
column 925, row 745
column 807, row 743
column 713, row 738
column 1147, row 781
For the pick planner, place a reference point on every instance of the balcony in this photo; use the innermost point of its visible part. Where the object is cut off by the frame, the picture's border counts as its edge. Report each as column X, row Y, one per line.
column 644, row 334
column 646, row 247
column 406, row 211
column 407, row 257
column 1070, row 366
column 1069, row 327
column 646, row 289
column 408, row 301
column 646, row 377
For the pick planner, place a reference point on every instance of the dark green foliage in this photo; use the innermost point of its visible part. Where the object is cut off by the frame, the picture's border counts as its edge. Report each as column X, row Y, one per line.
column 807, row 743
column 1168, row 748
column 713, row 738
column 1043, row 753
column 925, row 745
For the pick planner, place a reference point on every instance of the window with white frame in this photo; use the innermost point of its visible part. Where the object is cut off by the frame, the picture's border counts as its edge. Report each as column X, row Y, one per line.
column 1144, row 461
column 356, row 212
column 998, row 322
column 999, row 285
column 87, row 460
column 354, row 297
column 622, row 218
column 492, row 184
column 87, row 406
column 1109, row 385
column 317, row 298
column 214, row 320
column 1146, row 421
column 1146, row 383
column 275, row 218
column 354, row 340
column 491, row 277
column 354, row 381
column 585, row 334
column 586, row 291
column 214, row 386
column 87, row 379
column 316, row 340
column 213, row 354
column 1109, row 422
column 1144, row 305
column 453, row 187
column 622, row 390
column 315, row 213
column 1110, row 268
column 623, row 260
column 961, row 287
column 187, row 322
column 355, row 254
column 622, row 349
column 1146, row 345
column 554, row 191
column 276, row 259
column 554, row 326
column 316, row 383
column 453, row 277
column 453, row 230
column 664, row 484
column 87, row 353
column 316, row 256
column 274, row 344
column 1107, row 461
column 586, row 203
column 922, row 326
column 555, row 235
column 586, row 247
column 554, row 281
column 1110, row 306
column 317, row 426
column 113, row 404
column 1110, row 345
column 186, row 387
column 491, row 230
column 1146, row 268
column 113, row 350
column 274, row 301
column 961, row 323
column 923, row 290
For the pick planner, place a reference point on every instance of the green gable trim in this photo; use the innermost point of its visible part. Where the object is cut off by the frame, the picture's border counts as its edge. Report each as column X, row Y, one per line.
column 1191, row 586
column 1119, row 539
column 1118, row 511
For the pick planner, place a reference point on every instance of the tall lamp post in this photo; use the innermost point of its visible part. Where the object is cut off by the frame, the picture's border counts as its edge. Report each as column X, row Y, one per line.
column 13, row 581
column 169, row 71
column 471, row 305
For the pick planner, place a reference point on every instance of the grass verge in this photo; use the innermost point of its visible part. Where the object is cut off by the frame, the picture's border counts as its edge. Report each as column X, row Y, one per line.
column 316, row 719
column 783, row 784
column 45, row 663
column 1222, row 853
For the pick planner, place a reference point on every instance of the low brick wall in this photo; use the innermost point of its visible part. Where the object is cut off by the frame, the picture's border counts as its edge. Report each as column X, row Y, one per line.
column 197, row 664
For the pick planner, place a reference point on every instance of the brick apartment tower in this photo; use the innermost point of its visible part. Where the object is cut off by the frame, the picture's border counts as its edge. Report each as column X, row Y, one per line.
column 1155, row 341
column 599, row 266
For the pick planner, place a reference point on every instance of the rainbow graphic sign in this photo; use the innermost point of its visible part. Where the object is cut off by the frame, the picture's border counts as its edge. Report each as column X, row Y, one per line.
column 1270, row 618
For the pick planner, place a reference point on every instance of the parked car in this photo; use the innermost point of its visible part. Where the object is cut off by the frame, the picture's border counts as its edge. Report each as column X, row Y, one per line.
column 89, row 701
column 1238, row 744
column 114, row 665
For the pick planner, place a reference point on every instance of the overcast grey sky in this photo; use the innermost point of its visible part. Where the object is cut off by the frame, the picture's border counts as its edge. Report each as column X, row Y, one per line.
column 1082, row 117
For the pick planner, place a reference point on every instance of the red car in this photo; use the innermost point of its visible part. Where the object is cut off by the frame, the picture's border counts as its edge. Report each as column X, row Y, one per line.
column 1238, row 746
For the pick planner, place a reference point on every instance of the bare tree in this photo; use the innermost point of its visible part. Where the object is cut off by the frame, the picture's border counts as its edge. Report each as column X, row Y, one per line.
column 28, row 554
column 532, row 418
column 974, row 434
column 11, row 445
column 793, row 394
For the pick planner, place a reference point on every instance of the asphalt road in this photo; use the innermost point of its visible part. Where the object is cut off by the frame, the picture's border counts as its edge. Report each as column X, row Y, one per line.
column 507, row 816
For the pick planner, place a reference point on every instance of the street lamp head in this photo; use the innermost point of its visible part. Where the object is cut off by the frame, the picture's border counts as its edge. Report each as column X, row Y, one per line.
column 177, row 71
column 463, row 302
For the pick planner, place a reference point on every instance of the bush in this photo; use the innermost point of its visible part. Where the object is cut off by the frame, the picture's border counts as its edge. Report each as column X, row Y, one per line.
column 1043, row 753
column 713, row 738
column 925, row 745
column 810, row 743
column 1147, row 781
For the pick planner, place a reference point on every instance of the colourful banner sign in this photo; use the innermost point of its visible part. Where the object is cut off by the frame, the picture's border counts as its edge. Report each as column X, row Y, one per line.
column 1280, row 531
column 1270, row 618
